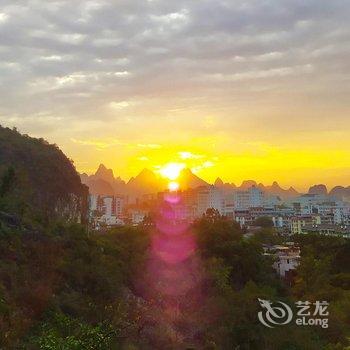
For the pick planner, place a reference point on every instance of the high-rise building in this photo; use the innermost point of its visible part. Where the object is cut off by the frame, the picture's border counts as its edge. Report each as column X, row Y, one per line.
column 209, row 197
column 253, row 197
column 107, row 205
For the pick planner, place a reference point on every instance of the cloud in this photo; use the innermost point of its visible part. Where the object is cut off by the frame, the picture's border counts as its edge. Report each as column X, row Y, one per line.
column 260, row 74
column 150, row 42
column 3, row 17
column 100, row 144
column 207, row 164
column 189, row 155
column 119, row 105
column 248, row 63
column 149, row 145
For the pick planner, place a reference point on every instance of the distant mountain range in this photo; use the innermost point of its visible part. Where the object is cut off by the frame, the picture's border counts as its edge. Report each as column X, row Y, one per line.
column 274, row 190
column 104, row 182
column 337, row 191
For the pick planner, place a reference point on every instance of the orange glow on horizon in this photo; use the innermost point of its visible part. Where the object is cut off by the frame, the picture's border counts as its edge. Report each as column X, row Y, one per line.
column 300, row 165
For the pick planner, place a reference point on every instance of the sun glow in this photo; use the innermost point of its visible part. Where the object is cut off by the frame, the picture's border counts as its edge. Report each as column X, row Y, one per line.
column 171, row 170
column 173, row 186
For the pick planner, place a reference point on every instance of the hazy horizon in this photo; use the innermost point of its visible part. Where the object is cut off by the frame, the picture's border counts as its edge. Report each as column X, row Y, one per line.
column 237, row 184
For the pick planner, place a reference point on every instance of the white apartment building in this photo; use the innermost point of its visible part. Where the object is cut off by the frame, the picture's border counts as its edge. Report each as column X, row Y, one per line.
column 108, row 206
column 338, row 210
column 287, row 258
column 298, row 222
column 119, row 206
column 253, row 197
column 256, row 196
column 278, row 221
column 308, row 203
column 229, row 209
column 241, row 199
column 209, row 197
column 286, row 262
column 93, row 202
column 137, row 216
column 327, row 206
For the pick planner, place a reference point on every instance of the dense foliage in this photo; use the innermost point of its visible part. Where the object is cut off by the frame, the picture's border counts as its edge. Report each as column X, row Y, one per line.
column 66, row 289
column 62, row 289
column 38, row 182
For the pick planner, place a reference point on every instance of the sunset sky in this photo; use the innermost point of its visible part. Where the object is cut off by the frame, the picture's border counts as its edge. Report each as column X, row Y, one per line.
column 237, row 89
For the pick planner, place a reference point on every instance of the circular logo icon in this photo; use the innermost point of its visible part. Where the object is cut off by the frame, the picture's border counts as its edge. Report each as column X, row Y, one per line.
column 274, row 314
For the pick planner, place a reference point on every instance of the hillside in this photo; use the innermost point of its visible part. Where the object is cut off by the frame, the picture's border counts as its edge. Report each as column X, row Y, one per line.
column 38, row 182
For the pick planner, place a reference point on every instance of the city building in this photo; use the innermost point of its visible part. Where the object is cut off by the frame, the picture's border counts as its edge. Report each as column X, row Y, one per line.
column 327, row 230
column 286, row 259
column 298, row 222
column 252, row 197
column 137, row 216
column 106, row 210
column 289, row 217
column 209, row 197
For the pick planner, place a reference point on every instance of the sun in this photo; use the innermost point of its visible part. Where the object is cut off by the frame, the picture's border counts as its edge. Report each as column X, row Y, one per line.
column 171, row 170
column 173, row 186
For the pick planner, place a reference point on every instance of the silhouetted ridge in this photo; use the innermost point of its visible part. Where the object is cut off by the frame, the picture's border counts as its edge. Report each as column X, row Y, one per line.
column 318, row 189
column 189, row 180
column 43, row 181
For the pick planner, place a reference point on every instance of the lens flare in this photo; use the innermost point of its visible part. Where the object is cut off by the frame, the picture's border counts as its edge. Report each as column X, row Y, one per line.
column 175, row 281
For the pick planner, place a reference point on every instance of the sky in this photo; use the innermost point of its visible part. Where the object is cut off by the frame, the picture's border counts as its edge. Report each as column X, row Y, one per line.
column 238, row 89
